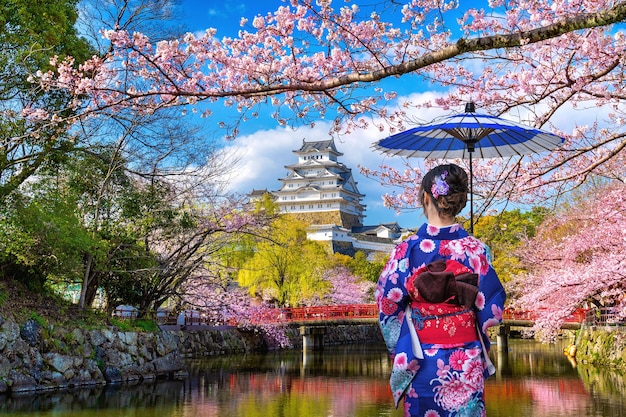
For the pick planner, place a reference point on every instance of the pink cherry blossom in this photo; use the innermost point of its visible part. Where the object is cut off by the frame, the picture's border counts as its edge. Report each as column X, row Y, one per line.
column 311, row 60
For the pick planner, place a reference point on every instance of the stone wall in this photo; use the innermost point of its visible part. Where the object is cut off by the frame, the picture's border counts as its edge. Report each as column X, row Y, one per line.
column 336, row 217
column 346, row 334
column 217, row 341
column 221, row 341
column 321, row 217
column 602, row 346
column 35, row 358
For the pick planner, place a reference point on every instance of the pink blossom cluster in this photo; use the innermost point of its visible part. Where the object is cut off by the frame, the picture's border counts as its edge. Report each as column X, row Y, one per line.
column 576, row 260
column 233, row 305
column 344, row 288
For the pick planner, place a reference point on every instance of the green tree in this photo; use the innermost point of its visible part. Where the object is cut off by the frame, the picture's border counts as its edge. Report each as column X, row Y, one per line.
column 504, row 233
column 286, row 266
column 32, row 33
column 43, row 241
column 362, row 267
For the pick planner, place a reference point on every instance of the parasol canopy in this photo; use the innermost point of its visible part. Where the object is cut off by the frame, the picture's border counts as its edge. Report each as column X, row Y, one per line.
column 468, row 135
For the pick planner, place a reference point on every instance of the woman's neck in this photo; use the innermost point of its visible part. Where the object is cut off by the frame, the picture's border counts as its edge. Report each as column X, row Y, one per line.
column 439, row 222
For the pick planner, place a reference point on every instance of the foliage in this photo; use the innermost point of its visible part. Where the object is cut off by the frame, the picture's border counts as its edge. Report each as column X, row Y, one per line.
column 135, row 325
column 122, row 325
column 42, row 238
column 38, row 319
column 361, row 266
column 504, row 233
column 286, row 267
column 32, row 33
column 576, row 260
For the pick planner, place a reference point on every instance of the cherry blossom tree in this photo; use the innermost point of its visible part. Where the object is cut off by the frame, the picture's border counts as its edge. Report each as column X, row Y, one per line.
column 345, row 288
column 577, row 259
column 225, row 303
column 309, row 60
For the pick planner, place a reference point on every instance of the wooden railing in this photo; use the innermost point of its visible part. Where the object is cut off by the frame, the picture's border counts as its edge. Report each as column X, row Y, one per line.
column 578, row 316
column 348, row 311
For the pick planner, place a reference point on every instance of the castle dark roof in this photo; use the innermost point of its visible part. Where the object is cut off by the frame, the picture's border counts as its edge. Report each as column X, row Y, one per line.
column 319, row 146
column 258, row 193
column 373, row 230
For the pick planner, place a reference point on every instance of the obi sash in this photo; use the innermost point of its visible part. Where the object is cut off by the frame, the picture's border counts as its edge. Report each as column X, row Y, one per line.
column 443, row 323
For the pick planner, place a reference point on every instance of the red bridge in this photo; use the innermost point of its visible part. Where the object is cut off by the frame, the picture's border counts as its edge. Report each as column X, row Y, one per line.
column 352, row 313
column 369, row 312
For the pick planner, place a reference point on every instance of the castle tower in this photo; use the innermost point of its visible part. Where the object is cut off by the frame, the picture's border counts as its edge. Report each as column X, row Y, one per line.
column 318, row 189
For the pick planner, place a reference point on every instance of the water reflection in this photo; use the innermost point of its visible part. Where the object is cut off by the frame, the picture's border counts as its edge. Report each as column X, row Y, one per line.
column 532, row 380
column 101, row 401
column 539, row 380
column 340, row 381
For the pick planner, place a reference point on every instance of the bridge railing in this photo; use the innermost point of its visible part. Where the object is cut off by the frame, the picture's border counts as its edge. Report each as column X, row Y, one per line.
column 347, row 311
column 578, row 316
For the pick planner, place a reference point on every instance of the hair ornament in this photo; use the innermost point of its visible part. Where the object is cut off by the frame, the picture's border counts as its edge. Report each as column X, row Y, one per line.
column 440, row 187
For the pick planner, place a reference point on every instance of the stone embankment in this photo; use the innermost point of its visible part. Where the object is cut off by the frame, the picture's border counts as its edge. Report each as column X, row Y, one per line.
column 35, row 358
column 602, row 346
column 216, row 341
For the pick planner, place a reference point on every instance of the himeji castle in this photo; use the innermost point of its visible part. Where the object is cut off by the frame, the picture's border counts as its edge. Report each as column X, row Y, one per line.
column 321, row 191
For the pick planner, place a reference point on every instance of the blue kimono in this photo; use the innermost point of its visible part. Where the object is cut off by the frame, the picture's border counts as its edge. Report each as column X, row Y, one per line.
column 442, row 376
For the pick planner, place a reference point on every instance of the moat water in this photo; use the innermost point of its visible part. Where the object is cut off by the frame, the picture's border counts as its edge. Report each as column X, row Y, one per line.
column 342, row 381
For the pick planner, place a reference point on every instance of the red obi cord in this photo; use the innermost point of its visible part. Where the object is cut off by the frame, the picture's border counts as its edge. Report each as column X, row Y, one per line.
column 443, row 323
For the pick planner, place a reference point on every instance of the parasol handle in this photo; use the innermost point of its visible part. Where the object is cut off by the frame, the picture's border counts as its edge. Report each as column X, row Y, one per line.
column 471, row 151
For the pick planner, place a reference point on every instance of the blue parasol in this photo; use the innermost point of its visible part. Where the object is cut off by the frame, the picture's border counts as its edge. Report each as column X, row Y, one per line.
column 465, row 134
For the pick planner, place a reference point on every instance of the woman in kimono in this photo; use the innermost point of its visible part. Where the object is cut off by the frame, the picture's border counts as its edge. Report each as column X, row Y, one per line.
column 437, row 295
